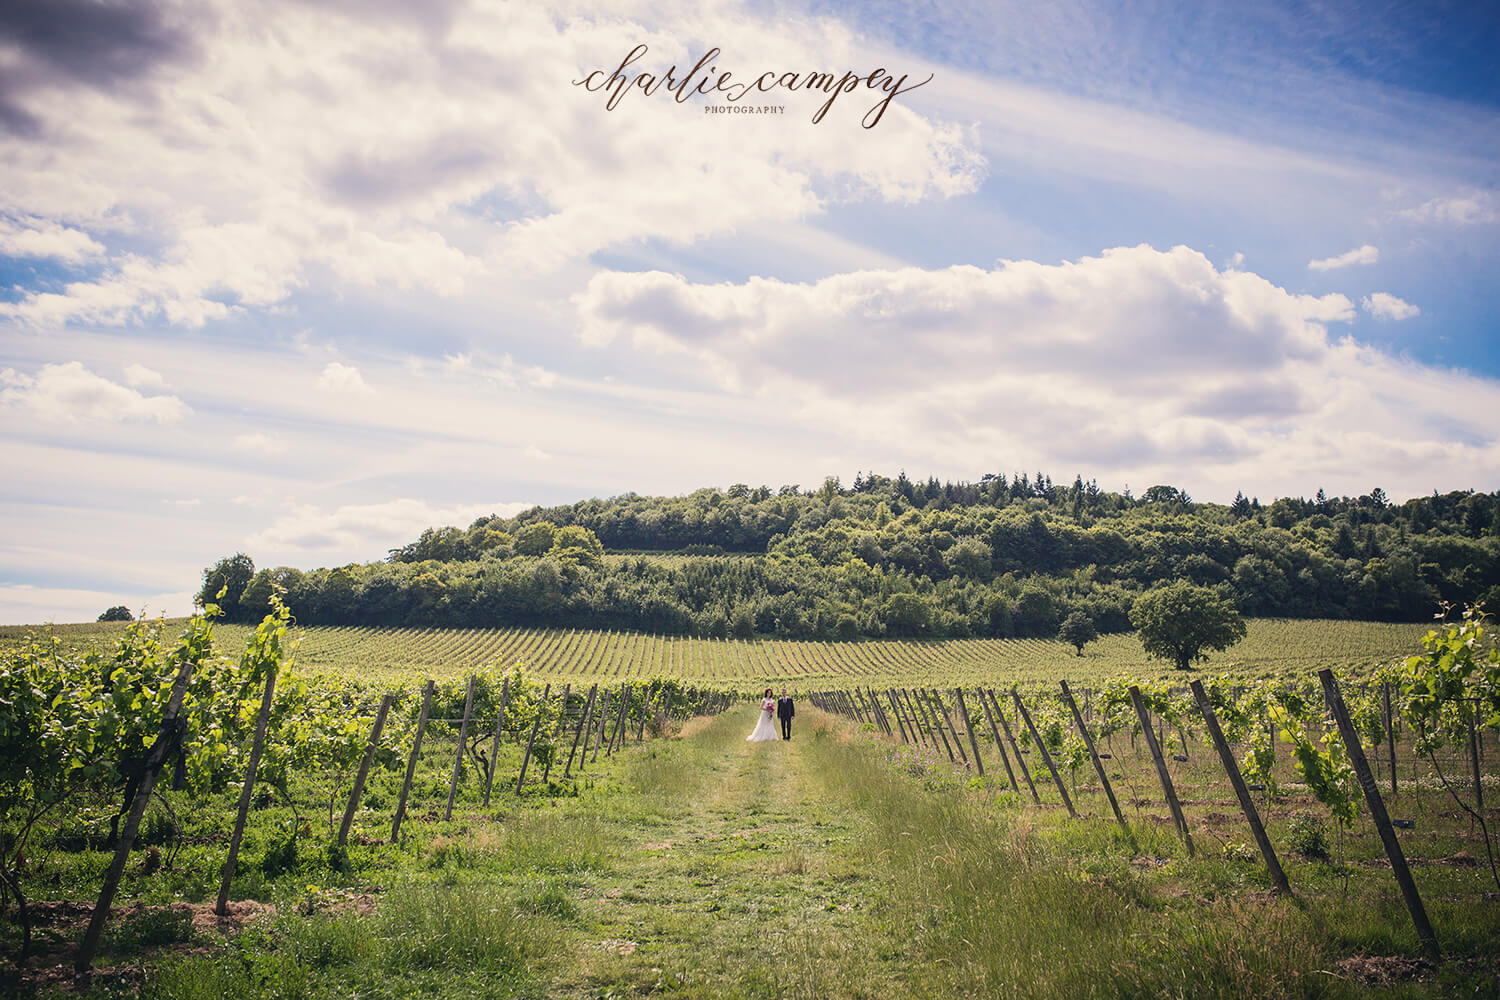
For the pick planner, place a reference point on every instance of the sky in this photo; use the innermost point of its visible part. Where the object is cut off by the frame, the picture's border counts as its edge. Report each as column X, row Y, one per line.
column 300, row 279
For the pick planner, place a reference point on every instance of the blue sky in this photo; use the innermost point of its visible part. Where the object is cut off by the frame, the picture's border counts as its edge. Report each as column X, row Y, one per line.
column 303, row 282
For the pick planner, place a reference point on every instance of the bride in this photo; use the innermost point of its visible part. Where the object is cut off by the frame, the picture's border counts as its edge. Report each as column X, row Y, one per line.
column 765, row 729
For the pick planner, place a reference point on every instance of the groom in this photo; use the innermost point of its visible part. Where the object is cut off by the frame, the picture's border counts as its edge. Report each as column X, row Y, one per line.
column 784, row 711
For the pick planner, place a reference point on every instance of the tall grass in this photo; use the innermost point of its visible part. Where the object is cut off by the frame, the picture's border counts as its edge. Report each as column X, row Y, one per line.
column 983, row 906
column 466, row 937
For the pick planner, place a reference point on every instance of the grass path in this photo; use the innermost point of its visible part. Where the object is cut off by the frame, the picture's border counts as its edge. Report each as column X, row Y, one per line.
column 742, row 878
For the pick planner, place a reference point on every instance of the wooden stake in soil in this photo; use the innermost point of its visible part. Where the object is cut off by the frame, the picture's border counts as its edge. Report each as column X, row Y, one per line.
column 1015, row 747
column 944, row 716
column 1004, row 757
column 1042, row 749
column 411, row 763
column 619, row 729
column 582, row 722
column 364, row 769
column 890, row 695
column 222, row 906
column 933, row 722
column 458, row 761
column 489, row 780
column 535, row 726
column 562, row 727
column 973, row 741
column 1088, row 741
column 1161, row 767
column 166, row 737
column 1390, row 736
column 1378, row 814
column 1247, row 804
column 603, row 724
column 916, row 720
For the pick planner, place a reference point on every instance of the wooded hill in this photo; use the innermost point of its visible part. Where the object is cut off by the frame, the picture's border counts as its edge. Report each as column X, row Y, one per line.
column 897, row 557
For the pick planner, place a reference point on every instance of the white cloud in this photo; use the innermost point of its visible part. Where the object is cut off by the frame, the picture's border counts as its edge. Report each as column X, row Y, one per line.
column 311, row 139
column 24, row 604
column 1359, row 255
column 1384, row 306
column 70, row 393
column 139, row 375
column 369, row 528
column 1136, row 362
column 338, row 377
column 1459, row 210
column 45, row 238
column 1235, row 262
column 259, row 443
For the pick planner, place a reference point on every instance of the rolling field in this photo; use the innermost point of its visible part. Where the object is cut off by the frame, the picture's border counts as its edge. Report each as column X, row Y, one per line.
column 1274, row 648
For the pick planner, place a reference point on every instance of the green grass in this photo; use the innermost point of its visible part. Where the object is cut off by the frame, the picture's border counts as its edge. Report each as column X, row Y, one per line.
column 832, row 866
column 1273, row 648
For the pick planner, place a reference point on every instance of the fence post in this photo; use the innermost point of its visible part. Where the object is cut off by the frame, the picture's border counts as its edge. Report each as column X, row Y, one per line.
column 411, row 763
column 458, row 761
column 489, row 779
column 364, row 769
column 1088, row 742
column 896, row 711
column 1247, row 804
column 1042, row 749
column 1378, row 814
column 1161, row 768
column 155, row 758
column 222, row 906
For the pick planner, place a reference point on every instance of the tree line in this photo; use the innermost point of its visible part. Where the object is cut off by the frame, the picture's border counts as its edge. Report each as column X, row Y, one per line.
column 1005, row 556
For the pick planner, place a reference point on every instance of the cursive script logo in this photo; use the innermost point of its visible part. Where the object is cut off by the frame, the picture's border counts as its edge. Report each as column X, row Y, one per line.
column 706, row 79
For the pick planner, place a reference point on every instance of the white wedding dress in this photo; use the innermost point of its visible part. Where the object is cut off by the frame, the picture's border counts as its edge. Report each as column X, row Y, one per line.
column 765, row 729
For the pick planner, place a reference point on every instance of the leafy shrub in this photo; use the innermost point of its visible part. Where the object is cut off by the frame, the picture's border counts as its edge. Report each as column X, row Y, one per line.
column 1307, row 836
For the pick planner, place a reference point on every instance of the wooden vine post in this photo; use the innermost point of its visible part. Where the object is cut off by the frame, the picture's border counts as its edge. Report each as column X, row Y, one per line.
column 411, row 763
column 1042, row 749
column 1004, row 757
column 916, row 720
column 945, row 716
column 896, row 711
column 221, row 907
column 1161, row 768
column 531, row 741
column 364, row 769
column 1088, row 742
column 583, row 719
column 166, row 736
column 1011, row 739
column 458, row 761
column 1390, row 734
column 1247, row 804
column 1388, row 839
column 934, row 724
column 973, row 740
column 489, row 779
column 562, row 727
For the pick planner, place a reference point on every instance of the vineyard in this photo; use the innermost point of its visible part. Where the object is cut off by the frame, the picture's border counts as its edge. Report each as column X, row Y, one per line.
column 1274, row 648
column 331, row 767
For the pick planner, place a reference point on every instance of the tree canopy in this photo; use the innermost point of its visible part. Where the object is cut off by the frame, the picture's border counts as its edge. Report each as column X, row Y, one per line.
column 1182, row 622
column 1004, row 556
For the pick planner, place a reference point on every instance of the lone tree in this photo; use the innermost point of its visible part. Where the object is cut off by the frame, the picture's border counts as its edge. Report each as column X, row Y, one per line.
column 1078, row 630
column 1181, row 622
column 118, row 613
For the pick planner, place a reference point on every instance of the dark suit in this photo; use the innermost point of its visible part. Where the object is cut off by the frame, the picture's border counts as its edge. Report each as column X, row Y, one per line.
column 784, row 711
